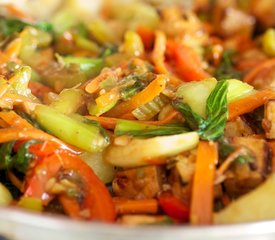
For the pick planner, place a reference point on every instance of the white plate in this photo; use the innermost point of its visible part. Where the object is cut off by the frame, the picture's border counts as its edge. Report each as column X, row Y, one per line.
column 16, row 224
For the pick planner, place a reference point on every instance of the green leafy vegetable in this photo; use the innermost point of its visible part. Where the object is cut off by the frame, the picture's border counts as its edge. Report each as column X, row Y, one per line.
column 11, row 26
column 135, row 129
column 226, row 70
column 211, row 127
column 19, row 160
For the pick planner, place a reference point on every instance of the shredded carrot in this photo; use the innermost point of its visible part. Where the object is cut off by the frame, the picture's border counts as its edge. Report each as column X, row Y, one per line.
column 249, row 103
column 158, row 55
column 147, row 36
column 257, row 70
column 127, row 206
column 108, row 98
column 141, row 98
column 13, row 49
column 3, row 124
column 14, row 120
column 187, row 62
column 203, row 184
column 271, row 144
column 110, row 123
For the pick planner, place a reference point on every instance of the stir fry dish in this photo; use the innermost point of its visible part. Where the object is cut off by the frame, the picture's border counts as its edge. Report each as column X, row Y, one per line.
column 145, row 113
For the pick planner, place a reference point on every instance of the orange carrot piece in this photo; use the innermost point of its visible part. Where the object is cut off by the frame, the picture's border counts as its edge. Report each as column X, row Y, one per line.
column 147, row 36
column 16, row 12
column 203, row 184
column 187, row 62
column 110, row 123
column 252, row 74
column 14, row 120
column 143, row 97
column 249, row 103
column 13, row 49
column 128, row 206
column 158, row 55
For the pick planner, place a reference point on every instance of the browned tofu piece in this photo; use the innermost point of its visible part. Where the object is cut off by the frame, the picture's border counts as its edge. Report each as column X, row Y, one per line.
column 269, row 119
column 138, row 183
column 243, row 177
column 237, row 128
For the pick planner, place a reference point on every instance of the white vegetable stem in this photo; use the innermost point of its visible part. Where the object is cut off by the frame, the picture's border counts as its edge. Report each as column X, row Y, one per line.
column 141, row 152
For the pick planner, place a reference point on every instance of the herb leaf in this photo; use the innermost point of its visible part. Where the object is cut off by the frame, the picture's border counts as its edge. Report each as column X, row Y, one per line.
column 212, row 127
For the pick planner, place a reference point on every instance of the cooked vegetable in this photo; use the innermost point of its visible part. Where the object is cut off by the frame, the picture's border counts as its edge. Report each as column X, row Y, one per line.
column 202, row 192
column 268, row 42
column 5, row 196
column 247, row 208
column 140, row 152
column 80, row 133
column 213, row 126
column 142, row 113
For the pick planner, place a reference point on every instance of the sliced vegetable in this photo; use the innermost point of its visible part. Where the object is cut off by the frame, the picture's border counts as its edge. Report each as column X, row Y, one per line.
column 249, row 103
column 5, row 196
column 150, row 109
column 73, row 131
column 90, row 66
column 143, row 97
column 133, row 45
column 140, row 152
column 101, row 168
column 247, row 207
column 142, row 206
column 268, row 42
column 201, row 90
column 203, row 184
column 137, row 129
column 187, row 62
column 69, row 101
column 174, row 207
column 213, row 126
column 31, row 203
column 83, row 195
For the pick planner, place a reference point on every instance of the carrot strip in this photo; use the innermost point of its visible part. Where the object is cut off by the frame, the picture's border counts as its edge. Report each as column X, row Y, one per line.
column 13, row 49
column 126, row 206
column 143, row 97
column 15, row 180
column 249, row 103
column 203, row 183
column 110, row 123
column 147, row 36
column 252, row 74
column 187, row 63
column 14, row 120
column 158, row 55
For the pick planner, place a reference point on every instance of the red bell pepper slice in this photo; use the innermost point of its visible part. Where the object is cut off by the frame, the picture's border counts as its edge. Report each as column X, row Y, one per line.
column 186, row 62
column 97, row 203
column 174, row 207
